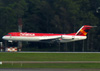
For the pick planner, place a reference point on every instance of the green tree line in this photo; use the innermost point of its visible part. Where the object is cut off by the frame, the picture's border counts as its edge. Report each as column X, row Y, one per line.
column 52, row 16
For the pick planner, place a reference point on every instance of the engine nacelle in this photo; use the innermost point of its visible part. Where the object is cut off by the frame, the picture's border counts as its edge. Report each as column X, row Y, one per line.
column 67, row 37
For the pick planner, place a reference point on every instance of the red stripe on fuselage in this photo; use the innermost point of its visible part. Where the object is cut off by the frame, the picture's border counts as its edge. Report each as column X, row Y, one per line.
column 36, row 34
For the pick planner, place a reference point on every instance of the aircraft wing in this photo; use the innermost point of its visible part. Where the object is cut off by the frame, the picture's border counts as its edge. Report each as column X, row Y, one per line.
column 51, row 40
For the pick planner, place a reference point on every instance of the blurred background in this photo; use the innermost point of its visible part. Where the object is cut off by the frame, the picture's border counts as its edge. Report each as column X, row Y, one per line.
column 52, row 16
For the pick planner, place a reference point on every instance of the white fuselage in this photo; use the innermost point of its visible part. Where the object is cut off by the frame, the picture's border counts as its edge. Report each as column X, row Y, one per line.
column 61, row 38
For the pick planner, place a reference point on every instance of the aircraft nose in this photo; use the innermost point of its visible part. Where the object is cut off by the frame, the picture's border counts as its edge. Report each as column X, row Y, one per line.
column 4, row 37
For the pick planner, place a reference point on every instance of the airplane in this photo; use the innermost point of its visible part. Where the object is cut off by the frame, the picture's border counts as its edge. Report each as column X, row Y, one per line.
column 48, row 37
